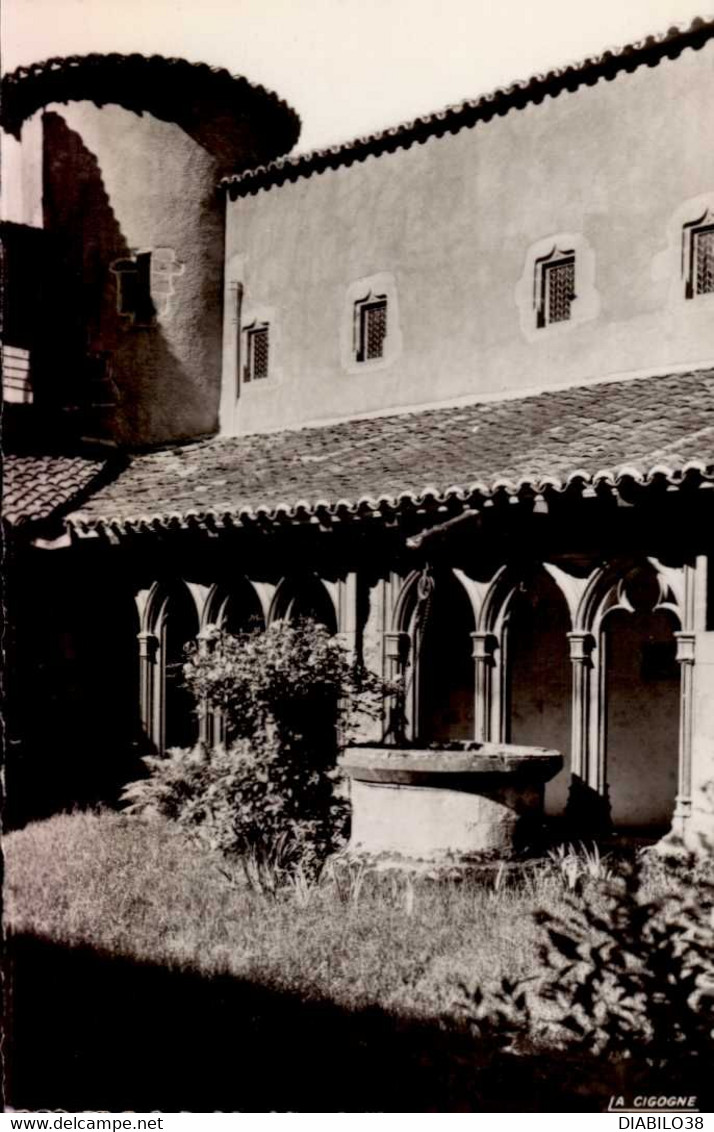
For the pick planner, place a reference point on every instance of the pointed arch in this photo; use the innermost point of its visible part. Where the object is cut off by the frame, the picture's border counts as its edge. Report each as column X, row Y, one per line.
column 624, row 657
column 155, row 607
column 606, row 586
column 497, row 598
column 443, row 661
column 640, row 706
column 303, row 595
column 491, row 641
column 235, row 607
column 538, row 679
column 433, row 623
column 170, row 621
column 403, row 612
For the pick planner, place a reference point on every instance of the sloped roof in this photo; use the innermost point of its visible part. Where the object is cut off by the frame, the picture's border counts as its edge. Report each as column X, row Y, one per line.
column 648, row 52
column 37, row 487
column 639, row 429
column 210, row 103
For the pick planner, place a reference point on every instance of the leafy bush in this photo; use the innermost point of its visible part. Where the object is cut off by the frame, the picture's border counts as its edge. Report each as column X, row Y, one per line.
column 285, row 696
column 627, row 972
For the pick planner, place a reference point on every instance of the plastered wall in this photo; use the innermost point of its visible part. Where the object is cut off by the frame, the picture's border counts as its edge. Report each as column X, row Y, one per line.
column 116, row 183
column 454, row 222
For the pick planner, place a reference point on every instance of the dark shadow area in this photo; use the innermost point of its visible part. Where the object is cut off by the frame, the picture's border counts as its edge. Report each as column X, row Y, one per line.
column 641, row 745
column 304, row 597
column 92, row 1031
column 178, row 628
column 72, row 730
column 29, row 257
column 25, row 263
column 539, row 685
column 587, row 813
column 445, row 664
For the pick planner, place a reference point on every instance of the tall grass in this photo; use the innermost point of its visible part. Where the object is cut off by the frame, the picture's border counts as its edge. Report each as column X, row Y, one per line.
column 138, row 888
column 434, row 985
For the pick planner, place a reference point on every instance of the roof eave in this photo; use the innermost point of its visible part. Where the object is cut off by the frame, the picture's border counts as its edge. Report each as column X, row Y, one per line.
column 647, row 52
column 622, row 485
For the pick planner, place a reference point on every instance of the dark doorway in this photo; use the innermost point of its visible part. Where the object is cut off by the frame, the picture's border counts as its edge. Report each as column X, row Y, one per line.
column 539, row 686
column 179, row 626
column 642, row 709
column 446, row 683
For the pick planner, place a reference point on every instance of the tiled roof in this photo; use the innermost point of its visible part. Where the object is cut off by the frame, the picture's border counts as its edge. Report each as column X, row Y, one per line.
column 648, row 52
column 209, row 102
column 36, row 487
column 637, row 429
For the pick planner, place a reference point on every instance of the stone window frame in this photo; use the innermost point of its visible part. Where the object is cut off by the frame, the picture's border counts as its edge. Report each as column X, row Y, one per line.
column 133, row 282
column 252, row 316
column 362, row 295
column 671, row 266
column 364, row 309
column 531, row 290
column 691, row 231
column 251, row 333
column 149, row 273
column 545, row 283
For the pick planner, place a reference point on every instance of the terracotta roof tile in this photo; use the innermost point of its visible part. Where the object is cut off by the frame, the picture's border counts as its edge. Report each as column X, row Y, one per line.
column 602, row 431
column 209, row 102
column 35, row 487
column 647, row 52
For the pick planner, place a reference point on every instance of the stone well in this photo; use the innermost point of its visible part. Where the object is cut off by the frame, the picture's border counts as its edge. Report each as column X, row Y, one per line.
column 427, row 804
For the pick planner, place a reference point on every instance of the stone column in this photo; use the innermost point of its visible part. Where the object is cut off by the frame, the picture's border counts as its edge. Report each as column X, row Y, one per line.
column 683, row 805
column 210, row 723
column 396, row 654
column 581, row 647
column 484, row 653
column 148, row 649
column 347, row 613
column 587, row 803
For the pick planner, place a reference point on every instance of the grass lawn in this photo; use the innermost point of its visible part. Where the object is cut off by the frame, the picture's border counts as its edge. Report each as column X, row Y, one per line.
column 141, row 977
column 138, row 889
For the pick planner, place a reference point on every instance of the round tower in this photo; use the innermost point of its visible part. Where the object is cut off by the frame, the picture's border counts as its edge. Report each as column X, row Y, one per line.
column 118, row 164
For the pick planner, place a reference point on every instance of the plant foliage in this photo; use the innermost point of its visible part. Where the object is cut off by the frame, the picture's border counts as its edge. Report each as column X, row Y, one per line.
column 626, row 970
column 286, row 697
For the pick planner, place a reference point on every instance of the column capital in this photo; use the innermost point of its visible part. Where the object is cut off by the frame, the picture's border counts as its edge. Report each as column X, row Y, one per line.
column 686, row 647
column 483, row 645
column 582, row 644
column 148, row 644
column 396, row 646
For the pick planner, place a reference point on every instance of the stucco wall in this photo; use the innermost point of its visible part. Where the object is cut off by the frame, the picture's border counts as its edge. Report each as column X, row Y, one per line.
column 116, row 183
column 539, row 693
column 454, row 221
column 642, row 719
column 21, row 163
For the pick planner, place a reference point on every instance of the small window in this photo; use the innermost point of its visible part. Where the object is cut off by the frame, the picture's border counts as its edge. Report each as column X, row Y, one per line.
column 257, row 352
column 554, row 287
column 134, row 288
column 698, row 256
column 370, row 327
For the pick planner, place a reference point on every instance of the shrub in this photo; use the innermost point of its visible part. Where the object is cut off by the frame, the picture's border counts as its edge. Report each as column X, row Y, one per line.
column 295, row 678
column 285, row 695
column 622, row 972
